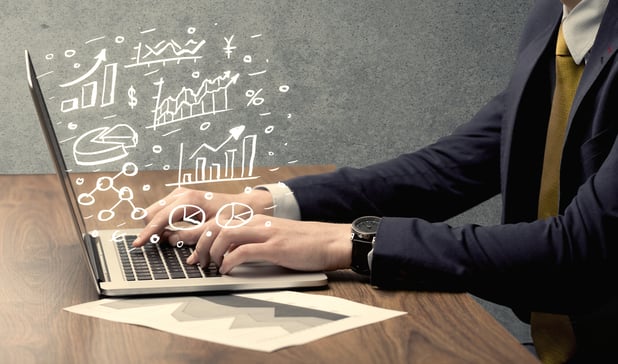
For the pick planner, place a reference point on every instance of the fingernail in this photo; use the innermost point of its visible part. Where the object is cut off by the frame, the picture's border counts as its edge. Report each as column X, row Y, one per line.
column 191, row 259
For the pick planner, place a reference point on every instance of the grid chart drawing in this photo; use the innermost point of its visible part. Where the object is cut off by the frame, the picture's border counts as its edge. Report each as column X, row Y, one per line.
column 215, row 165
column 211, row 97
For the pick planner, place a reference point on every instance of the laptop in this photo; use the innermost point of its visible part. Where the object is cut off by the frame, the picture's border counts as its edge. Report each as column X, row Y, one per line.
column 118, row 270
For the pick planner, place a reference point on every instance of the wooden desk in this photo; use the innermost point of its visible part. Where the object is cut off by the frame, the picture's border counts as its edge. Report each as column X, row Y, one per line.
column 42, row 271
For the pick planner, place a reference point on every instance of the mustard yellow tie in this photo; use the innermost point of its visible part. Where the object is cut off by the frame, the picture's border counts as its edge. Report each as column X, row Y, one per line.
column 567, row 78
column 553, row 335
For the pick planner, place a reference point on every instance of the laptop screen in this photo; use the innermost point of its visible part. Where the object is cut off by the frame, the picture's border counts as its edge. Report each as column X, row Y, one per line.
column 54, row 147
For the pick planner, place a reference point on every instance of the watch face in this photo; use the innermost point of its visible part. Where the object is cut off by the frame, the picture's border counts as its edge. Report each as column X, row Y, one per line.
column 366, row 224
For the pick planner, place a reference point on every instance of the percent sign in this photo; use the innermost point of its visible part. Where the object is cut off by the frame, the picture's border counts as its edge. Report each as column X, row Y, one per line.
column 253, row 97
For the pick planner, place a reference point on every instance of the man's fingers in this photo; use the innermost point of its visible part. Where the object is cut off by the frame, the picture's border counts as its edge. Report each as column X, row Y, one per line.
column 232, row 238
column 154, row 228
column 166, row 217
column 187, row 237
column 201, row 253
column 244, row 253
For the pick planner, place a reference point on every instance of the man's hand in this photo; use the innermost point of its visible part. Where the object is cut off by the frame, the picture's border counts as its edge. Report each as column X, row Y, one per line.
column 308, row 246
column 168, row 211
column 246, row 232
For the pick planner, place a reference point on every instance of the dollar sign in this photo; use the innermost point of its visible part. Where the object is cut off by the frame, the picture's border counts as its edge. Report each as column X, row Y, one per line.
column 132, row 98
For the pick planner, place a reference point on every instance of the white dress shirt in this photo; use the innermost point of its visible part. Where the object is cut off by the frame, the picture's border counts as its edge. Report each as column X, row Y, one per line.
column 581, row 25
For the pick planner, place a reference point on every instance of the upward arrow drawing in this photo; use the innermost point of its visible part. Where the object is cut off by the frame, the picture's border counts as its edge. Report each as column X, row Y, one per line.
column 101, row 57
column 234, row 134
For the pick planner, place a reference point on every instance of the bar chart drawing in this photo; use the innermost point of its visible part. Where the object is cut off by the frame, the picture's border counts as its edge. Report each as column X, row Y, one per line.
column 90, row 90
column 226, row 162
column 209, row 98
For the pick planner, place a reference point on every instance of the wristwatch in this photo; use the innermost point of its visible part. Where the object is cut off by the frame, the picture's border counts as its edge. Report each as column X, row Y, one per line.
column 363, row 236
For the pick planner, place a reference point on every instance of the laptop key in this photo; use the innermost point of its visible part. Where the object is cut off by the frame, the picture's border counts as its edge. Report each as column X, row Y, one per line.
column 154, row 261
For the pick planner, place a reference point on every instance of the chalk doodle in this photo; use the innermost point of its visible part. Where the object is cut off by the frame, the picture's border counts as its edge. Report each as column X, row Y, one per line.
column 200, row 102
column 193, row 215
column 132, row 99
column 253, row 97
column 166, row 51
column 214, row 164
column 233, row 215
column 104, row 145
column 89, row 91
column 209, row 98
column 229, row 48
column 125, row 194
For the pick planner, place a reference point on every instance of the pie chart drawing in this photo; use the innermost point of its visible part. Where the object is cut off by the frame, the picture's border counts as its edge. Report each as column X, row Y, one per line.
column 104, row 145
column 194, row 215
column 235, row 215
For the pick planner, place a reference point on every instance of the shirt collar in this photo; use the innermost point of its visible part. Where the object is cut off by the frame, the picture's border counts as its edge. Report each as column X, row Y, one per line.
column 580, row 26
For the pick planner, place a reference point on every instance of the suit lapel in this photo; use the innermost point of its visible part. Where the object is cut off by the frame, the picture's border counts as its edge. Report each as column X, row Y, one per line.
column 548, row 20
column 527, row 61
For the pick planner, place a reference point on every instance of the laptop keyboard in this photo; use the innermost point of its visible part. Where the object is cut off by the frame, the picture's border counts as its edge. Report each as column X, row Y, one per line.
column 159, row 261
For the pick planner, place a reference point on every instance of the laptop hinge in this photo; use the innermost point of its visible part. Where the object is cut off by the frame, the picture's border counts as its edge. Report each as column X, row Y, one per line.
column 95, row 254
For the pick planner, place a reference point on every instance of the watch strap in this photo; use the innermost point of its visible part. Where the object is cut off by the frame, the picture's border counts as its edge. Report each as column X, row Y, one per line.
column 360, row 259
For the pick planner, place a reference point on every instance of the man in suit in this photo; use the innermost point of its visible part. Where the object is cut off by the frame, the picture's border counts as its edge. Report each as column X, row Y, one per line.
column 559, row 262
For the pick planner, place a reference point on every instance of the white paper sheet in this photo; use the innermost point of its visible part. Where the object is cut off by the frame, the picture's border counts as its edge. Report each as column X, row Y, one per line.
column 266, row 321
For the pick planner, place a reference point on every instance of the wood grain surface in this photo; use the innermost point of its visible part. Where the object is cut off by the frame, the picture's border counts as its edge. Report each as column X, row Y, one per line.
column 42, row 271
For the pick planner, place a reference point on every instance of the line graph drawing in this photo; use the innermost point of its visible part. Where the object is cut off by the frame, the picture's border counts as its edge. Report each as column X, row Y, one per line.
column 209, row 98
column 101, row 57
column 214, row 164
column 164, row 52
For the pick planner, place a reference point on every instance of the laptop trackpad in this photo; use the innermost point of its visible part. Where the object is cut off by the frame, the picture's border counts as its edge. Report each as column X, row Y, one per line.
column 259, row 269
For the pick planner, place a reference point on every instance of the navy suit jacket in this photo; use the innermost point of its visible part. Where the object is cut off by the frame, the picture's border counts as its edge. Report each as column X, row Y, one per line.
column 563, row 264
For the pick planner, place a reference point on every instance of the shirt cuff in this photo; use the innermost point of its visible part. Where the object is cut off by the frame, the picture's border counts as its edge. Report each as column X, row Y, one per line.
column 284, row 202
